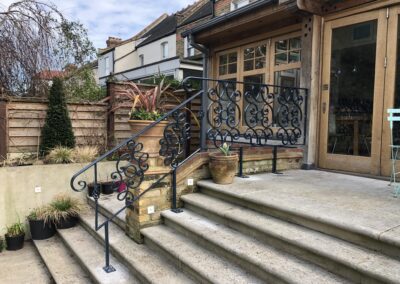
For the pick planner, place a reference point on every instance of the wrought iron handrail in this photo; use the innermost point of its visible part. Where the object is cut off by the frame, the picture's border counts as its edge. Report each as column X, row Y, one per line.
column 237, row 112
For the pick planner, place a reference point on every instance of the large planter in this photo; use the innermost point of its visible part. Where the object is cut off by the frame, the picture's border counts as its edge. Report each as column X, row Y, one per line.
column 150, row 139
column 67, row 223
column 15, row 243
column 223, row 168
column 41, row 230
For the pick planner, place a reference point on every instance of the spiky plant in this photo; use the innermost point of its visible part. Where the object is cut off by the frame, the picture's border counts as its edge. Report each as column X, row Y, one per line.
column 16, row 229
column 60, row 155
column 85, row 154
column 64, row 206
column 42, row 213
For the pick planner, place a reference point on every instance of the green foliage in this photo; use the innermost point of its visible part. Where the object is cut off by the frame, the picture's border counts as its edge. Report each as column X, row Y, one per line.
column 225, row 149
column 41, row 213
column 16, row 229
column 81, row 86
column 60, row 155
column 57, row 130
column 2, row 244
column 64, row 206
column 142, row 114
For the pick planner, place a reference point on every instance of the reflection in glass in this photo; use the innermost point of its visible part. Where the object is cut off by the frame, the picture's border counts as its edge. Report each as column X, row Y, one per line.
column 352, row 89
column 252, row 88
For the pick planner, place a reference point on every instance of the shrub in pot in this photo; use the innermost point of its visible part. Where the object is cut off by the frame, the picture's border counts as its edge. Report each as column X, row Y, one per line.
column 65, row 211
column 2, row 244
column 41, row 223
column 15, row 236
column 223, row 165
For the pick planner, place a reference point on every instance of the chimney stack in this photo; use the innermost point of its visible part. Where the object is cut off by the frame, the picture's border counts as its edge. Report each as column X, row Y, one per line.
column 113, row 41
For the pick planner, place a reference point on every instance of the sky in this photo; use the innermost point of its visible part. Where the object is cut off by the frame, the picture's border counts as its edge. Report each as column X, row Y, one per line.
column 104, row 18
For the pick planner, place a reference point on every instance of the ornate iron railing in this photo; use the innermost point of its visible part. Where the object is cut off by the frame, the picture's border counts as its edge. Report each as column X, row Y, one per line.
column 231, row 112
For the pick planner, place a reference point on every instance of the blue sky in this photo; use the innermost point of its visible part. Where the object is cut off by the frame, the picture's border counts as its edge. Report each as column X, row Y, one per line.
column 118, row 18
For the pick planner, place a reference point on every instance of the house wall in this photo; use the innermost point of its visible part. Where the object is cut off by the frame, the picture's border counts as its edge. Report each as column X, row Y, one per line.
column 125, row 57
column 152, row 51
column 102, row 63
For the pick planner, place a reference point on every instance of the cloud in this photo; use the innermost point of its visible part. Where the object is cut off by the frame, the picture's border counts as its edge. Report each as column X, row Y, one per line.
column 118, row 18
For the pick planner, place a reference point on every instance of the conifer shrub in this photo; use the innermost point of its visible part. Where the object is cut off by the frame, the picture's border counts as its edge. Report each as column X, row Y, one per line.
column 57, row 130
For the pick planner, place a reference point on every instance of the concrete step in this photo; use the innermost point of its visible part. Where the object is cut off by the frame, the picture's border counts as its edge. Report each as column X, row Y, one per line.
column 108, row 206
column 351, row 261
column 305, row 215
column 202, row 265
column 144, row 263
column 257, row 258
column 90, row 254
column 61, row 264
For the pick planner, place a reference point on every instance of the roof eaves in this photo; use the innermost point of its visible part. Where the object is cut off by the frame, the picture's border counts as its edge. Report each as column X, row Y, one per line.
column 226, row 17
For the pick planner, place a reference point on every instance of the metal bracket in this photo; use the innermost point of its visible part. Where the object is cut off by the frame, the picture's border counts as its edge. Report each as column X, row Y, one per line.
column 109, row 269
column 177, row 210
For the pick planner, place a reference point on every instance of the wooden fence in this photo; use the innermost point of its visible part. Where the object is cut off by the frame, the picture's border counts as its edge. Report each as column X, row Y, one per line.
column 21, row 121
column 100, row 124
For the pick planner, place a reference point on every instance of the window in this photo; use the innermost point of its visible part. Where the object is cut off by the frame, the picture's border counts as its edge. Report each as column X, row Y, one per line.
column 254, row 57
column 141, row 59
column 236, row 4
column 228, row 63
column 288, row 51
column 107, row 66
column 188, row 49
column 164, row 50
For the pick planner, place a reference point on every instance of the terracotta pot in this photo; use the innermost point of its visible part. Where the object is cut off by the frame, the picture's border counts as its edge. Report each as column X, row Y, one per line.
column 223, row 168
column 150, row 139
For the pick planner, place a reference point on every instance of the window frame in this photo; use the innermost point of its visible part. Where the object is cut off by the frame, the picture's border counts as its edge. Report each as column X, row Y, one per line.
column 141, row 59
column 164, row 50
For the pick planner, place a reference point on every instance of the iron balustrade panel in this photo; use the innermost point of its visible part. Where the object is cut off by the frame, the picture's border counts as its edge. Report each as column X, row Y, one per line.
column 255, row 114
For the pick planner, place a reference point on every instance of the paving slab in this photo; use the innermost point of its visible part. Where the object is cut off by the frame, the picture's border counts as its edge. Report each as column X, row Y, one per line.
column 362, row 204
column 23, row 267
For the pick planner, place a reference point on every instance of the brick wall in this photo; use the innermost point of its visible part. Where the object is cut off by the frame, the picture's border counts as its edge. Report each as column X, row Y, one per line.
column 222, row 7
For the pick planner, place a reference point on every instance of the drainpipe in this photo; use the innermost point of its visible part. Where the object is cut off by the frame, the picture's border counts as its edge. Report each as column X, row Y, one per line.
column 213, row 8
column 203, row 126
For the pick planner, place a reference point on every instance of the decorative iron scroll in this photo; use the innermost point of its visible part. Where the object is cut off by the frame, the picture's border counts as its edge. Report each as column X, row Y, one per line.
column 264, row 115
column 175, row 138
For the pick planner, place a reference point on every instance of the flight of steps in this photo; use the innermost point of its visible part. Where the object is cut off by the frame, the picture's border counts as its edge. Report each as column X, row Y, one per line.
column 218, row 238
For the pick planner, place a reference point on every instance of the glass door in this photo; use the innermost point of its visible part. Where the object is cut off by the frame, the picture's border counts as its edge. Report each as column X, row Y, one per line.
column 353, row 84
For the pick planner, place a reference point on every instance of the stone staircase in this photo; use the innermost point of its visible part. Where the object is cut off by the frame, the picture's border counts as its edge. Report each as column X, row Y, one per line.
column 221, row 237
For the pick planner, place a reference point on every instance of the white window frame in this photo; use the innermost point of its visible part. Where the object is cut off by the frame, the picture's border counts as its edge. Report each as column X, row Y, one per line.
column 141, row 59
column 236, row 4
column 188, row 49
column 164, row 50
column 107, row 66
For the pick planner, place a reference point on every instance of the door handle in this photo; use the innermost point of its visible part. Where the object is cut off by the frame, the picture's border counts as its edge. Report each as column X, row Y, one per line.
column 323, row 107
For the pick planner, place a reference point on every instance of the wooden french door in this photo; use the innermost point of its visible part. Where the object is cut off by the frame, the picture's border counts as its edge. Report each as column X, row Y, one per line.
column 353, row 91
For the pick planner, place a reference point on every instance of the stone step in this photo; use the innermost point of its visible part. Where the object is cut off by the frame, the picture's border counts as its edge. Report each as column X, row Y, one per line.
column 351, row 261
column 306, row 216
column 257, row 258
column 61, row 264
column 200, row 264
column 108, row 206
column 144, row 263
column 90, row 254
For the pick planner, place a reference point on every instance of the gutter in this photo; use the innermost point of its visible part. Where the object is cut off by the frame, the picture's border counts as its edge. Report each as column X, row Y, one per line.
column 229, row 16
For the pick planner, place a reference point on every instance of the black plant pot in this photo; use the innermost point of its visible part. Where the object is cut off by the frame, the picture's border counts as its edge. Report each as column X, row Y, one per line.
column 15, row 243
column 67, row 223
column 90, row 189
column 107, row 188
column 41, row 230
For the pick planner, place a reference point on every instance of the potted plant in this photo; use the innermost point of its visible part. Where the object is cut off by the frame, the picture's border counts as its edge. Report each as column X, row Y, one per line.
column 2, row 244
column 223, row 165
column 65, row 211
column 15, row 236
column 41, row 223
column 147, row 107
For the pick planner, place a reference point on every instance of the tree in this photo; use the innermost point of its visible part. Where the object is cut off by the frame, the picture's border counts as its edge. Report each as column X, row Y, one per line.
column 36, row 37
column 57, row 130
